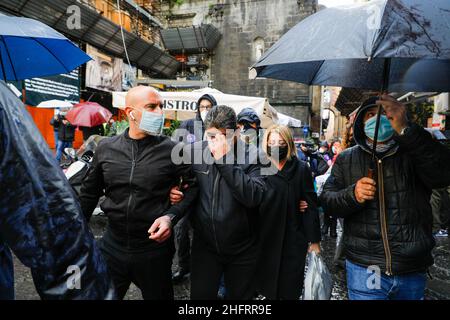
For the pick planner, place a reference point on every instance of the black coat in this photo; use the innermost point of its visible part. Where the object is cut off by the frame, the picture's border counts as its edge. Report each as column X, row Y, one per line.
column 225, row 216
column 398, row 239
column 285, row 232
column 136, row 177
column 66, row 132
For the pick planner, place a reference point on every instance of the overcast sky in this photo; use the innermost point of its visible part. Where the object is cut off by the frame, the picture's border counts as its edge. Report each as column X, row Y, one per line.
column 333, row 3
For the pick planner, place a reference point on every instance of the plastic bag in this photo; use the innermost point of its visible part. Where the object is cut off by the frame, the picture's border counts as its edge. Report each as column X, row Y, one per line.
column 320, row 181
column 318, row 281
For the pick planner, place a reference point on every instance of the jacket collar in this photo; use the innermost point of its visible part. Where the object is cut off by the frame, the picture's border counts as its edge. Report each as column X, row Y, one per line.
column 142, row 142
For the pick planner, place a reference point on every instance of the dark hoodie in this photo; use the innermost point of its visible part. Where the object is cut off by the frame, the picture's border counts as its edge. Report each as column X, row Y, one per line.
column 393, row 231
column 193, row 133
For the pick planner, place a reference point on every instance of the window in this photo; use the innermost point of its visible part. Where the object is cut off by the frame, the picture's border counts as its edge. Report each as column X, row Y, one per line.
column 258, row 48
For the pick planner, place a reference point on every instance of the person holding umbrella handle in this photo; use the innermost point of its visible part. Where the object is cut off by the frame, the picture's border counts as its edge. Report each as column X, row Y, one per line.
column 388, row 235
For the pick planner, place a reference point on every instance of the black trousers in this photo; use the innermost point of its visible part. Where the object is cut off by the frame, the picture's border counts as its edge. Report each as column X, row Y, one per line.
column 329, row 222
column 207, row 268
column 440, row 205
column 183, row 243
column 150, row 272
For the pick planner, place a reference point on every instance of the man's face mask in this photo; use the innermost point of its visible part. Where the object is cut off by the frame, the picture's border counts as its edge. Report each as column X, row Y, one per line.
column 152, row 123
column 203, row 114
column 385, row 131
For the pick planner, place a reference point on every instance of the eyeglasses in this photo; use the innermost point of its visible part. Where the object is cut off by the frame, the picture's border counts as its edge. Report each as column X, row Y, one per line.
column 205, row 107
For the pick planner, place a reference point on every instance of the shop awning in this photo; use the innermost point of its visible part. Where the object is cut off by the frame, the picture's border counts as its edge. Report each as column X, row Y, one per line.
column 195, row 39
column 97, row 31
column 350, row 99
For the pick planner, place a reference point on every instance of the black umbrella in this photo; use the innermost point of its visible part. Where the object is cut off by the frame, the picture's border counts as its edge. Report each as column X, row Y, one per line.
column 392, row 45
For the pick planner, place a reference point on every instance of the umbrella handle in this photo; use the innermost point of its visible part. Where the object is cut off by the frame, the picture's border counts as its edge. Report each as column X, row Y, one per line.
column 371, row 173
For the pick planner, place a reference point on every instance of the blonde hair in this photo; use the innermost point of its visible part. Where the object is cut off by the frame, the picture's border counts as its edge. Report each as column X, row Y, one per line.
column 286, row 135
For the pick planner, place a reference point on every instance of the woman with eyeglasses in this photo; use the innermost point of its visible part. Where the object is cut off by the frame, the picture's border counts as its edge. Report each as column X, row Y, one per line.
column 289, row 219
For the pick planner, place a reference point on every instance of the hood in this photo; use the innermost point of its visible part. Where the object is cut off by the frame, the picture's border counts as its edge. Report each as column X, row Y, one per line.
column 208, row 97
column 358, row 127
column 248, row 115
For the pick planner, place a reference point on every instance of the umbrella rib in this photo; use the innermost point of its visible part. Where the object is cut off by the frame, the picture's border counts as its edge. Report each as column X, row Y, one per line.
column 3, row 67
column 9, row 57
column 43, row 45
column 315, row 74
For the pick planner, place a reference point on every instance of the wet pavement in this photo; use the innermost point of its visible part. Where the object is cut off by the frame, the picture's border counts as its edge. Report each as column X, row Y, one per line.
column 437, row 288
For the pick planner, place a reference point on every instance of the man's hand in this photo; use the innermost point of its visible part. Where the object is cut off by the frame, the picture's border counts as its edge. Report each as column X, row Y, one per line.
column 160, row 230
column 303, row 206
column 365, row 189
column 176, row 196
column 65, row 122
column 219, row 147
column 314, row 247
column 395, row 112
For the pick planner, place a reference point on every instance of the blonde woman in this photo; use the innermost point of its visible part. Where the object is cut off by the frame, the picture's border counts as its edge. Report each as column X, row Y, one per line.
column 289, row 228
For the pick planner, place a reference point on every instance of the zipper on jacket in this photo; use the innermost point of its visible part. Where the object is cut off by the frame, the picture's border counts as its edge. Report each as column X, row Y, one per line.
column 215, row 187
column 383, row 220
column 133, row 164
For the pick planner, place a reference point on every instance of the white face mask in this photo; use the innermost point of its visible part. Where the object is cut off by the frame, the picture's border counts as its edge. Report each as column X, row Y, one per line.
column 203, row 115
column 249, row 136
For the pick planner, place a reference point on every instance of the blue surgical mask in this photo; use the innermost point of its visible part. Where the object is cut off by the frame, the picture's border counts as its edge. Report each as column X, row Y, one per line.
column 152, row 123
column 385, row 131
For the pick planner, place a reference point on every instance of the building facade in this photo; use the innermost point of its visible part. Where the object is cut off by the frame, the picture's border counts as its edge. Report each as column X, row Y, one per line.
column 248, row 28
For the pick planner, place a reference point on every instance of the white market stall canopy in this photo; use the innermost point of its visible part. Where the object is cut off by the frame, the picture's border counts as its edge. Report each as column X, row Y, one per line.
column 182, row 105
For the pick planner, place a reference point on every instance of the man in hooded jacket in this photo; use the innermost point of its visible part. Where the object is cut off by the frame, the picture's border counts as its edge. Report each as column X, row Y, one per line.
column 387, row 220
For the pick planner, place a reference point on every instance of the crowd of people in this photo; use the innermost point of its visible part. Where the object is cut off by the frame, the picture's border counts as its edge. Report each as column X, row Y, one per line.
column 244, row 204
column 250, row 197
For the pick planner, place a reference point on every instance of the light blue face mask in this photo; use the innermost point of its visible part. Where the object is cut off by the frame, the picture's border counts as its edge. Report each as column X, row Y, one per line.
column 152, row 123
column 385, row 131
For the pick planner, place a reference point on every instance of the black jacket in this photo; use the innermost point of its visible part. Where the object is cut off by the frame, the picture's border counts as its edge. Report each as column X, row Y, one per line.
column 285, row 232
column 55, row 124
column 136, row 176
column 229, row 196
column 394, row 230
column 316, row 162
column 66, row 132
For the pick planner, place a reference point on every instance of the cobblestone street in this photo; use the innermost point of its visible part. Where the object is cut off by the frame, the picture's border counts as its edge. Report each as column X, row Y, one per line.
column 438, row 286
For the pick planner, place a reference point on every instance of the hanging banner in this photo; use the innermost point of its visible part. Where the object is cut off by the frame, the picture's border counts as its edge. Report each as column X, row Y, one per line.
column 60, row 87
column 104, row 72
column 128, row 77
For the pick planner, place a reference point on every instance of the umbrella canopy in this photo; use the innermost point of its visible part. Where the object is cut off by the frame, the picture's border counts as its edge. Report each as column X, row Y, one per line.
column 29, row 48
column 401, row 45
column 88, row 114
column 53, row 104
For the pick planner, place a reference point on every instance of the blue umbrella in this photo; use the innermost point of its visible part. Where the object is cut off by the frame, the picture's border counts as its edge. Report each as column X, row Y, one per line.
column 29, row 48
column 389, row 45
